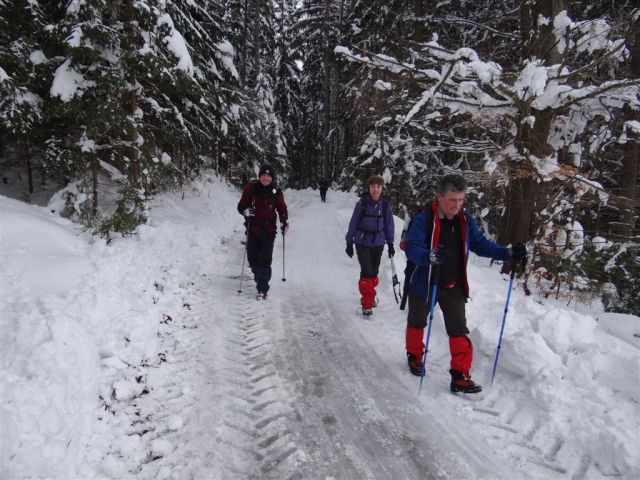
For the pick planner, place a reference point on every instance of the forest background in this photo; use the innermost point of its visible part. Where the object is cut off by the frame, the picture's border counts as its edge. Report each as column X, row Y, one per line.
column 103, row 104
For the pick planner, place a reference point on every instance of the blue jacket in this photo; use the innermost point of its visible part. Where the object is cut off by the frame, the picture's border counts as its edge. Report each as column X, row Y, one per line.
column 423, row 235
column 370, row 225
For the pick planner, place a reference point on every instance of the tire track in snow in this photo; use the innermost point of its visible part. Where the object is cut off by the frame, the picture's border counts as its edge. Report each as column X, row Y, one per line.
column 251, row 437
column 267, row 411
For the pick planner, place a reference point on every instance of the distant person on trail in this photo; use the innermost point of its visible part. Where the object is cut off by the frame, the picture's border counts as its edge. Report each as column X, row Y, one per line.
column 260, row 201
column 323, row 186
column 370, row 227
column 442, row 236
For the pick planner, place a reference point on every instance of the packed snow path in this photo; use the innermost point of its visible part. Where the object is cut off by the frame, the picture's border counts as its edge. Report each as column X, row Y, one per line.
column 301, row 386
column 139, row 359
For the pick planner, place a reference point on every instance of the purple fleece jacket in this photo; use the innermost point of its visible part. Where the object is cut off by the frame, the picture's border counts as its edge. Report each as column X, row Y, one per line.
column 371, row 228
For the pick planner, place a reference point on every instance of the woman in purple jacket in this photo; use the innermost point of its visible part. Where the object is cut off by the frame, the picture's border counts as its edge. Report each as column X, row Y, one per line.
column 370, row 227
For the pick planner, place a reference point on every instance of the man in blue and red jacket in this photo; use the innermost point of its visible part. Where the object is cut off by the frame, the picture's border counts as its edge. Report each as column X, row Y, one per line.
column 441, row 236
column 371, row 226
column 260, row 201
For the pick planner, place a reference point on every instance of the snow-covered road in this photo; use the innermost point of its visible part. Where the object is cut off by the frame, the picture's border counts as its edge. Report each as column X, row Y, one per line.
column 302, row 386
column 143, row 361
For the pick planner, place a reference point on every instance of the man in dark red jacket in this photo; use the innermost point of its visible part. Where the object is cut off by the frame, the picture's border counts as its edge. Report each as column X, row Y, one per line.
column 260, row 201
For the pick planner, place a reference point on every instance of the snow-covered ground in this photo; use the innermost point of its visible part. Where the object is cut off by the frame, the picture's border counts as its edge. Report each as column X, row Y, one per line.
column 141, row 360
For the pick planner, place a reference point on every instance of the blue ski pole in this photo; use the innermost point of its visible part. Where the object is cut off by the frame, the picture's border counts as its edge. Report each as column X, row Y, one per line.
column 506, row 309
column 434, row 280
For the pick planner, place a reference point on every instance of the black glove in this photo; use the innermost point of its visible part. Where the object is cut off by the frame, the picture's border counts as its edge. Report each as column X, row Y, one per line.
column 284, row 228
column 392, row 251
column 437, row 256
column 349, row 250
column 519, row 254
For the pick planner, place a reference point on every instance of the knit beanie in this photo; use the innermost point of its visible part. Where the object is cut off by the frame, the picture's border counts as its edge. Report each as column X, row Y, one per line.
column 267, row 169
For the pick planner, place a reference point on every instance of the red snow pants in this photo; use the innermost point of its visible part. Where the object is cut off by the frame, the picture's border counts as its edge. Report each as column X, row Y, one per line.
column 452, row 303
column 415, row 345
column 367, row 287
column 461, row 350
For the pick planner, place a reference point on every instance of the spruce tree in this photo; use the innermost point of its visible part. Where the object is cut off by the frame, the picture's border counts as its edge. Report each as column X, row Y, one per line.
column 28, row 47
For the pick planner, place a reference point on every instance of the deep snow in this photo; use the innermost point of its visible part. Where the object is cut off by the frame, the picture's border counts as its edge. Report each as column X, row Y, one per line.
column 140, row 360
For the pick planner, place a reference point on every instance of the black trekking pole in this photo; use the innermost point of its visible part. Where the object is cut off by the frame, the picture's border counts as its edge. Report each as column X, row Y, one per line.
column 284, row 279
column 504, row 318
column 403, row 302
column 244, row 257
column 394, row 280
column 435, row 273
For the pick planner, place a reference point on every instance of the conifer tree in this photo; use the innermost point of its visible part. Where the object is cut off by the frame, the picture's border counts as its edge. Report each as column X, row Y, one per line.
column 286, row 91
column 27, row 49
column 319, row 26
column 259, row 138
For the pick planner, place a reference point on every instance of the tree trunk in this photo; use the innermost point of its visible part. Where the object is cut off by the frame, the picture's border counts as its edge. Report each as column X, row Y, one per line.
column 257, row 40
column 243, row 51
column 525, row 193
column 326, row 151
column 630, row 162
column 419, row 33
column 538, row 39
column 29, row 166
column 520, row 207
column 628, row 190
column 94, row 188
column 134, row 170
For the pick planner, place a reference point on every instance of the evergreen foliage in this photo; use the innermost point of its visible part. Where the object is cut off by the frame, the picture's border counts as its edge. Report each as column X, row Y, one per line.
column 129, row 213
column 612, row 272
column 535, row 103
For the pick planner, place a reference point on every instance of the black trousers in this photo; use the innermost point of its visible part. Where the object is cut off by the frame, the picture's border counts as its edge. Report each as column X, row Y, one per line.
column 452, row 302
column 369, row 258
column 260, row 255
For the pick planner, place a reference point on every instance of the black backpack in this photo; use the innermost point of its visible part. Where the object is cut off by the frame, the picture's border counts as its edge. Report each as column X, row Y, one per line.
column 410, row 267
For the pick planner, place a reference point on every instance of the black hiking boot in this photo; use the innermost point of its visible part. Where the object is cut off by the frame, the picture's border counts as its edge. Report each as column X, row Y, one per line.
column 415, row 364
column 460, row 383
column 261, row 296
column 367, row 312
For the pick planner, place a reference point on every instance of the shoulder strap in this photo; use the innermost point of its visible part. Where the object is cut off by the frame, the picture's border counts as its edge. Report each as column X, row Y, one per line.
column 429, row 221
column 363, row 210
column 417, row 212
column 252, row 191
column 385, row 209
